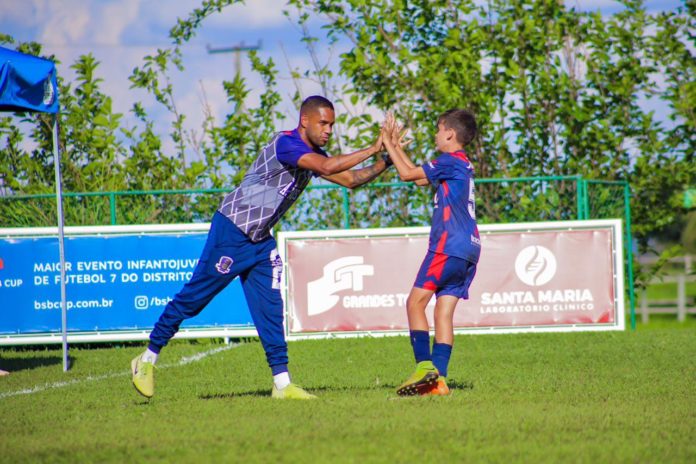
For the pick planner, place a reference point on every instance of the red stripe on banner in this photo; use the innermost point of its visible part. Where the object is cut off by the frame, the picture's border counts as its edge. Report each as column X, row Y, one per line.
column 446, row 213
column 437, row 265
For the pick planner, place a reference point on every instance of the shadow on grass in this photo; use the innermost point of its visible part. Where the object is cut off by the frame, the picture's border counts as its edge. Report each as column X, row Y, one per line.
column 143, row 402
column 453, row 384
column 224, row 396
column 21, row 364
column 460, row 385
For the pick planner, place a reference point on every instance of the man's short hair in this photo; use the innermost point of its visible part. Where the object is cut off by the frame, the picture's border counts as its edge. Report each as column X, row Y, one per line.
column 462, row 121
column 315, row 102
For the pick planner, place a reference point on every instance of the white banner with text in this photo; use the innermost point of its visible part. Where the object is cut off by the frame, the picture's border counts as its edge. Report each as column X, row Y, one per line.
column 551, row 276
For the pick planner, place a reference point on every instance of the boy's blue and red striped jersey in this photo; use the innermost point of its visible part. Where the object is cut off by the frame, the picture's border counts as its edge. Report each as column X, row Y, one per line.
column 454, row 231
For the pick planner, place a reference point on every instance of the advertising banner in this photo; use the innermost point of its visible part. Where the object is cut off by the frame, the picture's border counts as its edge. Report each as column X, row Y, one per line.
column 114, row 282
column 531, row 277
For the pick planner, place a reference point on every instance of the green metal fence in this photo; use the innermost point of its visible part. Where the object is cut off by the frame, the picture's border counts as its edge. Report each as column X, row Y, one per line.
column 328, row 206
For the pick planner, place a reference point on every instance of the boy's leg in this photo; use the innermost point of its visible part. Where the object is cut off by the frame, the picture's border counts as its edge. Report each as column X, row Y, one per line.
column 444, row 337
column 461, row 273
column 444, row 318
column 418, row 324
column 425, row 285
column 261, row 286
column 426, row 374
column 417, row 300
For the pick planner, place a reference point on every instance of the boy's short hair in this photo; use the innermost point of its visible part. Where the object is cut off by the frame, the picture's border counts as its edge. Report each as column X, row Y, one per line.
column 315, row 102
column 462, row 121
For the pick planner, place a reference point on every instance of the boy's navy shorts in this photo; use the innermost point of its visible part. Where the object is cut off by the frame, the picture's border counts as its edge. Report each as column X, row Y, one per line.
column 446, row 275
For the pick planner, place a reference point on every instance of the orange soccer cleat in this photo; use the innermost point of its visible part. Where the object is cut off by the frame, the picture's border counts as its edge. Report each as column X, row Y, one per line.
column 439, row 389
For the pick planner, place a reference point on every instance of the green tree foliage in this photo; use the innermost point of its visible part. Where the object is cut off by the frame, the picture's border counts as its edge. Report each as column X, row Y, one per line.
column 97, row 155
column 557, row 92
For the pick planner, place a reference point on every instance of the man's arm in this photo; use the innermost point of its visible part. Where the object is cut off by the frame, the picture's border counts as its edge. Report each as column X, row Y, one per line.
column 357, row 177
column 332, row 165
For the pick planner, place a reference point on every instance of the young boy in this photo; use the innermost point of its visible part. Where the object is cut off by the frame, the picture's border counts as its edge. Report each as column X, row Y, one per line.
column 454, row 247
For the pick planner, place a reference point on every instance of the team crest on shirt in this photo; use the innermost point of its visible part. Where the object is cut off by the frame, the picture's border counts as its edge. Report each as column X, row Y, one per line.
column 277, row 264
column 224, row 264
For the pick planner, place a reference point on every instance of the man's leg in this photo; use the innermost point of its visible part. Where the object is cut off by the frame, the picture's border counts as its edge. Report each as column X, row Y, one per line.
column 189, row 302
column 225, row 255
column 261, row 286
column 205, row 283
column 192, row 298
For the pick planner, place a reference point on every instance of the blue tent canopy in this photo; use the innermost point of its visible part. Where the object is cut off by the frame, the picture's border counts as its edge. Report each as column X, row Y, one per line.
column 27, row 83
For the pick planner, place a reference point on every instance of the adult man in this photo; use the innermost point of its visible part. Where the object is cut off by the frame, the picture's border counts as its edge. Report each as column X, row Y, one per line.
column 240, row 244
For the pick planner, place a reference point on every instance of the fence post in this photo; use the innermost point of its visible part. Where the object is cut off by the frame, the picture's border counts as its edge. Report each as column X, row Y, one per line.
column 585, row 199
column 579, row 196
column 346, row 208
column 644, row 313
column 112, row 207
column 629, row 254
column 681, row 297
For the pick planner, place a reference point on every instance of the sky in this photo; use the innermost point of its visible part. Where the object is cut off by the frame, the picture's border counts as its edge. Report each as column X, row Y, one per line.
column 119, row 33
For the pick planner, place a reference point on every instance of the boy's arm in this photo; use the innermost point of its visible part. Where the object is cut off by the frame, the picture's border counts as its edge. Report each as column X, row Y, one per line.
column 404, row 157
column 397, row 137
column 408, row 171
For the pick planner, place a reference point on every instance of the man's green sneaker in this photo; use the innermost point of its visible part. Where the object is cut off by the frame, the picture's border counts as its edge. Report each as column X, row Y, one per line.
column 291, row 392
column 143, row 377
column 420, row 381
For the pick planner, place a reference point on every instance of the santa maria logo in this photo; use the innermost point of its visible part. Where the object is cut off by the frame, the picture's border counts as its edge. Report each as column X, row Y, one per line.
column 49, row 92
column 224, row 264
column 535, row 265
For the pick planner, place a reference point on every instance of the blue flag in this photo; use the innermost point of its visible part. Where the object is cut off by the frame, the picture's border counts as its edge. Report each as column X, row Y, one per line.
column 27, row 83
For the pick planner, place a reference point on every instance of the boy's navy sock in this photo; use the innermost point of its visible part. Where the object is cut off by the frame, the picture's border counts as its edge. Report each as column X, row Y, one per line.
column 441, row 357
column 420, row 341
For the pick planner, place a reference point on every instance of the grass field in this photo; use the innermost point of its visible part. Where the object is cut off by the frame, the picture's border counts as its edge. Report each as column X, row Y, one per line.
column 582, row 397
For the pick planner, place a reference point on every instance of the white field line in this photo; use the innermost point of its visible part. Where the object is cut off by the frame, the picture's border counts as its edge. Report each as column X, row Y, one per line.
column 182, row 362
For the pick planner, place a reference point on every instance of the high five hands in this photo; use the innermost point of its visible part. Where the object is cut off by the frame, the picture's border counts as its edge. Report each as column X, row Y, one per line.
column 393, row 132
